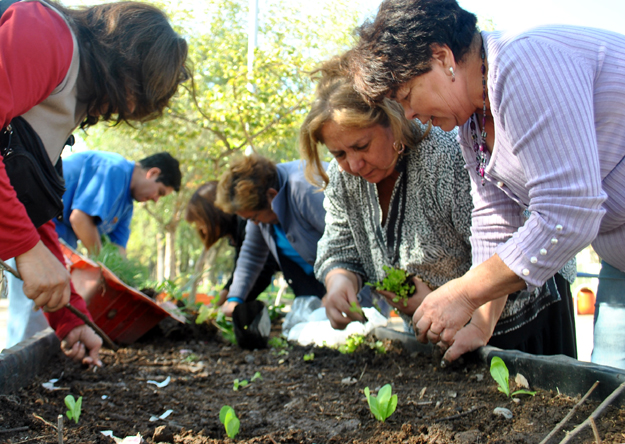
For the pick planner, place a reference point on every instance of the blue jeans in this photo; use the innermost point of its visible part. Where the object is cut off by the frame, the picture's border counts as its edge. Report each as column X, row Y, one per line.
column 23, row 322
column 609, row 323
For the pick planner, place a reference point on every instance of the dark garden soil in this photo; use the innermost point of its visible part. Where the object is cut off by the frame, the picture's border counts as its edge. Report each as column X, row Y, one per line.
column 297, row 401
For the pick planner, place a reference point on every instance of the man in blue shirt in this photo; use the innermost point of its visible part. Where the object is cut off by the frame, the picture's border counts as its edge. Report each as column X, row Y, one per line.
column 100, row 190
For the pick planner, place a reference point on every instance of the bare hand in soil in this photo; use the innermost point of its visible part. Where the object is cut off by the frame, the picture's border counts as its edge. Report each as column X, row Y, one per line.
column 82, row 344
column 338, row 301
column 442, row 314
column 228, row 308
column 46, row 281
column 414, row 301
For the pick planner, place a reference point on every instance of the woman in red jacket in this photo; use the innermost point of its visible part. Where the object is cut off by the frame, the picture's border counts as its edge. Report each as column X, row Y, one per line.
column 63, row 68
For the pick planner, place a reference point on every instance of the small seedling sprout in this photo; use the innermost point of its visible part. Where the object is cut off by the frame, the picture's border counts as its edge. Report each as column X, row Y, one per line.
column 384, row 404
column 256, row 376
column 499, row 372
column 74, row 407
column 309, row 357
column 230, row 421
column 239, row 384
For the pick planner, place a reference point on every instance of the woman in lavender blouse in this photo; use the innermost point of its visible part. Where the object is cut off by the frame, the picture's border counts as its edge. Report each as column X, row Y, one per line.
column 542, row 128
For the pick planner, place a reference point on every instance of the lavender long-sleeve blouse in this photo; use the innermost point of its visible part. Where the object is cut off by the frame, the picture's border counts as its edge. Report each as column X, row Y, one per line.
column 557, row 96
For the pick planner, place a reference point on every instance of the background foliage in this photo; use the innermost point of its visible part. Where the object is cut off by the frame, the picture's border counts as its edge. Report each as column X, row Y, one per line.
column 230, row 114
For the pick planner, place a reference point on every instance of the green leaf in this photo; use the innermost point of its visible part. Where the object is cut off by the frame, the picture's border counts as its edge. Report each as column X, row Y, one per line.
column 384, row 404
column 499, row 372
column 223, row 412
column 523, row 392
column 256, row 376
column 232, row 424
column 74, row 407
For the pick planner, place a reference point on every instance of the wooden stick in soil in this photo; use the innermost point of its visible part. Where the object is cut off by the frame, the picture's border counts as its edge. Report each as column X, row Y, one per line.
column 569, row 415
column 60, row 428
column 16, row 429
column 595, row 415
column 593, row 424
column 110, row 344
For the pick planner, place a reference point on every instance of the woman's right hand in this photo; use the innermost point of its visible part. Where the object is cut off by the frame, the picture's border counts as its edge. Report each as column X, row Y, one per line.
column 46, row 280
column 341, row 287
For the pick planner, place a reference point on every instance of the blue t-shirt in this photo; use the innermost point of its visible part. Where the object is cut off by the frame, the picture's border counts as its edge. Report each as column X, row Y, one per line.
column 98, row 184
column 285, row 248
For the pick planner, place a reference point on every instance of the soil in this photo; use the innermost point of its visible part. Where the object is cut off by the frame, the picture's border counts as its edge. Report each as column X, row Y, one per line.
column 314, row 401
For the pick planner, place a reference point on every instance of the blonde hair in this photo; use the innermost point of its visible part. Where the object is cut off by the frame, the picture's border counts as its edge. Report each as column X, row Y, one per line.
column 244, row 186
column 337, row 101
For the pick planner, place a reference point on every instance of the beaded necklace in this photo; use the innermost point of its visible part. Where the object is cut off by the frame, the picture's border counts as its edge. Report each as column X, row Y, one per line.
column 479, row 146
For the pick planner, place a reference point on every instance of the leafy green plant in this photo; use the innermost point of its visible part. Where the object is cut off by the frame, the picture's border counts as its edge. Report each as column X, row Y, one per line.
column 256, row 376
column 278, row 342
column 384, row 404
column 499, row 372
column 191, row 358
column 230, row 421
column 309, row 357
column 129, row 271
column 396, row 281
column 237, row 384
column 226, row 328
column 74, row 407
column 355, row 308
column 351, row 344
column 275, row 311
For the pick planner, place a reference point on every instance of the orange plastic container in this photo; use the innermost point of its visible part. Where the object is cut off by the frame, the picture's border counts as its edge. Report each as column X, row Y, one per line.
column 585, row 301
column 124, row 313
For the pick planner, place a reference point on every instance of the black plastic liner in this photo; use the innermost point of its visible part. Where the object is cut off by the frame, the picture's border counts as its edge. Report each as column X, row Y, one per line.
column 557, row 373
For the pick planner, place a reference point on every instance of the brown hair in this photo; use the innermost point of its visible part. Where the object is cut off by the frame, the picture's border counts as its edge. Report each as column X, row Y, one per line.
column 244, row 186
column 132, row 59
column 211, row 223
column 397, row 45
column 337, row 101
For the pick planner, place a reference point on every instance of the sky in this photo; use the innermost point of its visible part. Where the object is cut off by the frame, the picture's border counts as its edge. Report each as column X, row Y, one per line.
column 516, row 14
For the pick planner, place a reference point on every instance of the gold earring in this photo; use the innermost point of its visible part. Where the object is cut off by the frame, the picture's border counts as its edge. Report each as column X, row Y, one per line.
column 399, row 147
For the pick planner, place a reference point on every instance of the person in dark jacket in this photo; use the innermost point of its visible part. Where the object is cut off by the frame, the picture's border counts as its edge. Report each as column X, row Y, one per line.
column 213, row 224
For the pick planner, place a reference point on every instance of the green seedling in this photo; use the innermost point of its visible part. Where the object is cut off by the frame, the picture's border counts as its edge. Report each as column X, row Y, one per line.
column 74, row 407
column 226, row 328
column 351, row 344
column 230, row 421
column 355, row 308
column 256, row 376
column 239, row 384
column 275, row 311
column 396, row 281
column 191, row 358
column 499, row 372
column 205, row 313
column 384, row 404
column 309, row 357
column 277, row 342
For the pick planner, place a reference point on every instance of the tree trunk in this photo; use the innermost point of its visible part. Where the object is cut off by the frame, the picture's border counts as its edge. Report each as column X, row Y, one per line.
column 160, row 258
column 197, row 275
column 170, row 252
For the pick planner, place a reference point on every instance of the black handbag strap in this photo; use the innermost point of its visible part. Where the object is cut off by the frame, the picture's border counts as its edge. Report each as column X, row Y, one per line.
column 4, row 5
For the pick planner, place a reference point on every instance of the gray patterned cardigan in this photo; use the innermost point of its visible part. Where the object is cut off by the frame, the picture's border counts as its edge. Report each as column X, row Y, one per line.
column 430, row 238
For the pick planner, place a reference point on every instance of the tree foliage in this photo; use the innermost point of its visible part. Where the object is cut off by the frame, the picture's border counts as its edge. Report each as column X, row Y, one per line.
column 225, row 111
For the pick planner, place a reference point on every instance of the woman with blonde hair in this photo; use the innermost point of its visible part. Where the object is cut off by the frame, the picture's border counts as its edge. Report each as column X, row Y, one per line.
column 285, row 218
column 213, row 224
column 398, row 195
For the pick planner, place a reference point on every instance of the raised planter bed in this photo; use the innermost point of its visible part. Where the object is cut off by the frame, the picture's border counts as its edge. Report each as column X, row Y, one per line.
column 315, row 401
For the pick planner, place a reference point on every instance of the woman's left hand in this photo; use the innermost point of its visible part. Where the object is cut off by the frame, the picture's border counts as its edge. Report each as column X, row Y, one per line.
column 413, row 302
column 443, row 313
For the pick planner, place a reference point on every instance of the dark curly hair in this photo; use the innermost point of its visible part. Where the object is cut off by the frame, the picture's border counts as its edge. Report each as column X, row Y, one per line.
column 132, row 58
column 397, row 45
